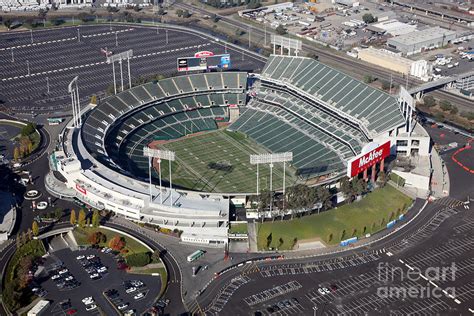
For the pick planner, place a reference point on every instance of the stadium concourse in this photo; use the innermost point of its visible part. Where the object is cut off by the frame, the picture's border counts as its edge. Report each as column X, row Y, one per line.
column 325, row 118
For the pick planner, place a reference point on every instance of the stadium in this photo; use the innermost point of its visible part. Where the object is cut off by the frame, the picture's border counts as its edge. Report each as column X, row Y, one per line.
column 175, row 152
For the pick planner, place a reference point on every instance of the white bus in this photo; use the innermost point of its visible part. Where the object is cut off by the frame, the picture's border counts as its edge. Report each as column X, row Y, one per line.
column 195, row 255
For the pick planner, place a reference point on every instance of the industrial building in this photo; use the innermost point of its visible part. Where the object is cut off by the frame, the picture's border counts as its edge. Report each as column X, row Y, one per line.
column 418, row 41
column 389, row 60
column 394, row 27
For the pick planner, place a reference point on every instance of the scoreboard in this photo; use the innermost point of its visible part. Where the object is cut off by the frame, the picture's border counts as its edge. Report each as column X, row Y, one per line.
column 202, row 61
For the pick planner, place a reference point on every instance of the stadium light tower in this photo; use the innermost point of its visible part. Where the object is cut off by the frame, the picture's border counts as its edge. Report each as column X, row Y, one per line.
column 159, row 154
column 270, row 159
column 119, row 57
column 73, row 89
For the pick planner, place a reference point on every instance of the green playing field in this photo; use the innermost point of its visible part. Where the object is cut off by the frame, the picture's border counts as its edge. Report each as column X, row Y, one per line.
column 218, row 161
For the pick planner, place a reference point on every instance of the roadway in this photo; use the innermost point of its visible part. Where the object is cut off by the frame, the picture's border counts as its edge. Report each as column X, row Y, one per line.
column 341, row 61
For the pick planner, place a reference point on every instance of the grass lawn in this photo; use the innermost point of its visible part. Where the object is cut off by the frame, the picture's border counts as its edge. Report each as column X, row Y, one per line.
column 240, row 228
column 131, row 245
column 371, row 213
column 192, row 170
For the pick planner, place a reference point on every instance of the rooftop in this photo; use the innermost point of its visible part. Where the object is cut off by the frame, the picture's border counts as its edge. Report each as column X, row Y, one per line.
column 425, row 35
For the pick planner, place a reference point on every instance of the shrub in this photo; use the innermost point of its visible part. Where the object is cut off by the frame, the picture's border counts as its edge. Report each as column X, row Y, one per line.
column 445, row 105
column 429, row 101
column 138, row 259
column 117, row 243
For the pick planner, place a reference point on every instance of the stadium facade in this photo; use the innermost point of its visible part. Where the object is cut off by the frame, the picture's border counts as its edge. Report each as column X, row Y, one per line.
column 324, row 117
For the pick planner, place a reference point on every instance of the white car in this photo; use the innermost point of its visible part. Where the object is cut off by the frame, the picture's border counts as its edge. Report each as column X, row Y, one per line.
column 63, row 271
column 80, row 257
column 85, row 300
column 137, row 283
column 94, row 276
column 122, row 306
column 323, row 290
column 69, row 278
column 55, row 277
column 89, row 257
column 91, row 307
column 139, row 296
column 104, row 249
column 131, row 290
column 102, row 270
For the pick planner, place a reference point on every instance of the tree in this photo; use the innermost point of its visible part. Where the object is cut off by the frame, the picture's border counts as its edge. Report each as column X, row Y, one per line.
column 28, row 129
column 72, row 218
column 468, row 115
column 369, row 79
column 454, row 110
column 58, row 212
column 82, row 219
column 95, row 218
column 346, row 189
column 42, row 13
column 280, row 30
column 8, row 23
column 369, row 18
column 429, row 101
column 179, row 13
column 386, row 85
column 35, row 228
column 117, row 243
column 445, row 105
column 156, row 255
column 16, row 153
column 330, row 236
column 186, row 14
column 343, row 234
column 96, row 238
column 295, row 241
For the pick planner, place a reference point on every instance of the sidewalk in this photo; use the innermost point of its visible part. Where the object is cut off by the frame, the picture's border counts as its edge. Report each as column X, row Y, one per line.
column 439, row 177
column 252, row 233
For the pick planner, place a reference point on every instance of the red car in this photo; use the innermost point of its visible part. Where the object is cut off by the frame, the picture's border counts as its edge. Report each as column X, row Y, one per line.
column 71, row 311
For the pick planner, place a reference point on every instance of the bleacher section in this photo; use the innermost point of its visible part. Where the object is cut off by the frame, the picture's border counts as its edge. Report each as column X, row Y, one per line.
column 170, row 107
column 374, row 110
column 279, row 133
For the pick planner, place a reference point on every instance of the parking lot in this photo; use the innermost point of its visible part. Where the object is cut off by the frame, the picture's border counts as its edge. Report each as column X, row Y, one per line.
column 29, row 70
column 91, row 284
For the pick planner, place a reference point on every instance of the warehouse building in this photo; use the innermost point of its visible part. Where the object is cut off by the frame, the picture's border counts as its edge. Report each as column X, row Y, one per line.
column 389, row 60
column 418, row 41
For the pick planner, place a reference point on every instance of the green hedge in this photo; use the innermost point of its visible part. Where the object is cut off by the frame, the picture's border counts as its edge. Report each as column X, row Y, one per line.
column 138, row 259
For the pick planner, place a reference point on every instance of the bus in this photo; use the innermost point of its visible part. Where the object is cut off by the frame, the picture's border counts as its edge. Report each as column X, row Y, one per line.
column 195, row 255
column 55, row 120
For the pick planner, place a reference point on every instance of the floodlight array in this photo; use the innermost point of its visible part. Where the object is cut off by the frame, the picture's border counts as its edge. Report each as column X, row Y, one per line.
column 286, row 42
column 271, row 158
column 158, row 153
column 120, row 56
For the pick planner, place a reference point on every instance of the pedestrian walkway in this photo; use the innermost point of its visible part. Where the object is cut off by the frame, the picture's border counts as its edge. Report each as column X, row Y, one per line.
column 439, row 177
column 252, row 236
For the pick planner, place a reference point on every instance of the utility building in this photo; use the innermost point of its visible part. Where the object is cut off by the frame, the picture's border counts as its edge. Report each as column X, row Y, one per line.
column 418, row 41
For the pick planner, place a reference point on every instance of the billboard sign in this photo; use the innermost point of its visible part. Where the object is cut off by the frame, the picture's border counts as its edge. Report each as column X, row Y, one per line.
column 204, row 61
column 204, row 53
column 80, row 189
column 366, row 160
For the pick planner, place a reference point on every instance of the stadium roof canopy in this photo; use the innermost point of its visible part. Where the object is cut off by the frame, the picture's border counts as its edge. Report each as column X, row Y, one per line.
column 373, row 110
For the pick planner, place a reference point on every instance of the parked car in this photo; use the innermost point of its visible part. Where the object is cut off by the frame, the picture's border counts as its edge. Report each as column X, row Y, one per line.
column 88, row 299
column 131, row 290
column 91, row 307
column 122, row 306
column 63, row 271
column 81, row 257
column 89, row 257
column 139, row 296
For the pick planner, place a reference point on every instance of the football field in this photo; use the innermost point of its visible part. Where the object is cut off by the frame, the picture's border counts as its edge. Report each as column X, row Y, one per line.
column 219, row 161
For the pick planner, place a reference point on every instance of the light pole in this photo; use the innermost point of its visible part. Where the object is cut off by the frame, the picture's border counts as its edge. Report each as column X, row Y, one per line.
column 78, row 35
column 116, row 39
column 47, row 84
column 250, row 34
column 121, row 73
column 31, row 34
column 13, row 58
column 28, row 66
column 159, row 154
column 166, row 31
column 265, row 32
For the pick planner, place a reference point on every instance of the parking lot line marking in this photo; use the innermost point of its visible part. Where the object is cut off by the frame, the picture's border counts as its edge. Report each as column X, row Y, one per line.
column 401, row 261
column 471, row 310
column 457, row 301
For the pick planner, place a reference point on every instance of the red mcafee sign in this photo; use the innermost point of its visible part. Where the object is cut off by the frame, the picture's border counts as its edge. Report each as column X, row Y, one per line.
column 362, row 162
column 81, row 189
column 204, row 53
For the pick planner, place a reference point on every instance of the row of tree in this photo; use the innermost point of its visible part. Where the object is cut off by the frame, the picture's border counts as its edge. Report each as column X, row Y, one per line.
column 83, row 220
